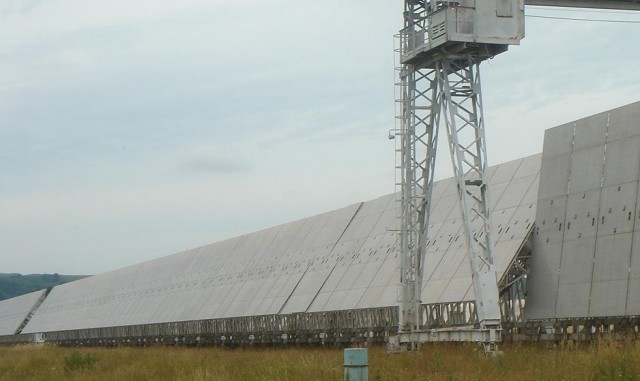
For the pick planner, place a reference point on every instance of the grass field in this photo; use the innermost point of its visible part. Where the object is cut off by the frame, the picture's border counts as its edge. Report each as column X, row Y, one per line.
column 598, row 361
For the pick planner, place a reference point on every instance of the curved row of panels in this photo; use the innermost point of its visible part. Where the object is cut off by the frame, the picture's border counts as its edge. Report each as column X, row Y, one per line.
column 341, row 260
column 15, row 312
column 581, row 194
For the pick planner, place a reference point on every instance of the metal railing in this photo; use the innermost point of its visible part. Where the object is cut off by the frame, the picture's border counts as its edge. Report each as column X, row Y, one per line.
column 371, row 324
column 427, row 28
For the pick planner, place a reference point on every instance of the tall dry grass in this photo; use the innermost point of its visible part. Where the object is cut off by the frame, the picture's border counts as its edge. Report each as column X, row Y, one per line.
column 604, row 360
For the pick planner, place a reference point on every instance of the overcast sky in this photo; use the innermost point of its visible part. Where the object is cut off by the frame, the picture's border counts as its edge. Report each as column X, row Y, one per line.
column 134, row 129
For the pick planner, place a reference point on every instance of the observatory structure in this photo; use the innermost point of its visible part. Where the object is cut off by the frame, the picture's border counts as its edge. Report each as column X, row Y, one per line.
column 440, row 50
column 539, row 247
column 567, row 260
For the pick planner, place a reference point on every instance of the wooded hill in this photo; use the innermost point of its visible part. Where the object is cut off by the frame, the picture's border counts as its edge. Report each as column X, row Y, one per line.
column 12, row 285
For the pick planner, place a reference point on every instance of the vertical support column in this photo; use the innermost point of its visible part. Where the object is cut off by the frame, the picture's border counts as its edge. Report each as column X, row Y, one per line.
column 418, row 149
column 462, row 111
column 414, row 133
column 418, row 131
column 440, row 78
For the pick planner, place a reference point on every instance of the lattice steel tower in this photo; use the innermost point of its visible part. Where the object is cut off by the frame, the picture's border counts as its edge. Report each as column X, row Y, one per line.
column 441, row 47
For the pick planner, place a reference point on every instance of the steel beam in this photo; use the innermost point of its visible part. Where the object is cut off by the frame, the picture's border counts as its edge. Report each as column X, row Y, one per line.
column 488, row 337
column 462, row 113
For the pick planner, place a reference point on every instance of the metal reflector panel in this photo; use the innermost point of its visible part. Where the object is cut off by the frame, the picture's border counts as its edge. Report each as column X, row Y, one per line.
column 623, row 161
column 633, row 299
column 218, row 280
column 624, row 122
column 586, row 169
column 543, row 282
column 16, row 311
column 554, row 176
column 361, row 252
column 590, row 131
column 558, row 140
column 610, row 275
column 341, row 260
column 530, row 166
column 447, row 271
column 585, row 263
column 514, row 193
column 575, row 278
column 505, row 172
